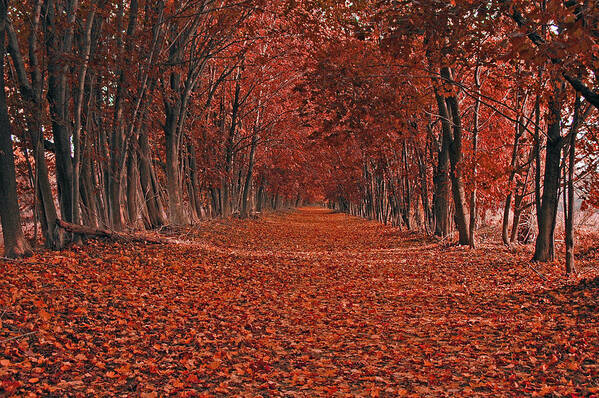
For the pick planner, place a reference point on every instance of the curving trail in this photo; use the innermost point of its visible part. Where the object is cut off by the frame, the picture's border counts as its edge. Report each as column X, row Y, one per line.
column 306, row 303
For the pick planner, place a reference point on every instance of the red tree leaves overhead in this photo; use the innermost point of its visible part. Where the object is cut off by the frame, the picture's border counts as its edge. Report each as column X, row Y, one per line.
column 221, row 102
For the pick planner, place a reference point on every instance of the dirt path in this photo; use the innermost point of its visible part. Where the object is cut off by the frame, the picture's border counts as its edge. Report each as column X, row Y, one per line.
column 308, row 303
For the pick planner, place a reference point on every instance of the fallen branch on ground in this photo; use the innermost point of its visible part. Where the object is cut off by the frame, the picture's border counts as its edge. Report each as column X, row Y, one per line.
column 105, row 233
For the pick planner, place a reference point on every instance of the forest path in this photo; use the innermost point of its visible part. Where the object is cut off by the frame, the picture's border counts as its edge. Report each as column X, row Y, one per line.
column 303, row 303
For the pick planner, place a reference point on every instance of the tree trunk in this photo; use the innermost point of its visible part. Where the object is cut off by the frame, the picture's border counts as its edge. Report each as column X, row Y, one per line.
column 173, row 188
column 472, row 226
column 88, row 195
column 79, row 95
column 194, row 189
column 570, row 263
column 57, row 98
column 537, row 154
column 441, row 177
column 248, row 178
column 215, row 202
column 132, row 181
column 15, row 244
column 455, row 158
column 31, row 92
column 569, row 205
column 150, row 194
column 508, row 199
column 544, row 246
column 424, row 193
column 260, row 197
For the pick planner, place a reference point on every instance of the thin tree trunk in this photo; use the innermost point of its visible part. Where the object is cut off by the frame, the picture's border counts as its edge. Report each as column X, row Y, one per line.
column 57, row 97
column 537, row 154
column 455, row 158
column 31, row 92
column 132, row 181
column 78, row 107
column 248, row 178
column 441, row 181
column 569, row 205
column 570, row 262
column 151, row 195
column 260, row 197
column 473, row 209
column 508, row 199
column 88, row 196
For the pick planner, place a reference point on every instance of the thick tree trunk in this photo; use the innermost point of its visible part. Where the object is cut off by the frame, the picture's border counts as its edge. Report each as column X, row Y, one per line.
column 544, row 246
column 15, row 244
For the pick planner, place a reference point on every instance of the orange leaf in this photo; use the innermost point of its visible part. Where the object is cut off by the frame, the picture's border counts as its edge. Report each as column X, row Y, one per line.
column 192, row 379
column 45, row 315
column 214, row 365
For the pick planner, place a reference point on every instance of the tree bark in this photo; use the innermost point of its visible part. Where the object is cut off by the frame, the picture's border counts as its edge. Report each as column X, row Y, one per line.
column 58, row 99
column 31, row 93
column 456, row 160
column 151, row 195
column 570, row 262
column 248, row 178
column 15, row 244
column 473, row 210
column 544, row 246
column 441, row 178
column 569, row 205
column 508, row 200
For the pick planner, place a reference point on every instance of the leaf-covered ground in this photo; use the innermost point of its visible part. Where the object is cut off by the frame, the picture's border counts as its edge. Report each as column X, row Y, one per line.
column 308, row 303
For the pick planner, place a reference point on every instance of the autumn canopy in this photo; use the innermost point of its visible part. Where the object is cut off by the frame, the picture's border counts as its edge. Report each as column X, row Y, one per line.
column 428, row 114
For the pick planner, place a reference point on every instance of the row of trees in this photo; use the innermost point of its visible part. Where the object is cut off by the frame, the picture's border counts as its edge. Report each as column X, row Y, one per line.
column 142, row 113
column 138, row 114
column 446, row 110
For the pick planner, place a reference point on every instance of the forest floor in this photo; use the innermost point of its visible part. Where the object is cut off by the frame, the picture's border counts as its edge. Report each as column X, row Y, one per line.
column 305, row 303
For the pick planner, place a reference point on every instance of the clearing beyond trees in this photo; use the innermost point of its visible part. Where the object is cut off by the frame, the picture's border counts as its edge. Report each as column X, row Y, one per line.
column 299, row 303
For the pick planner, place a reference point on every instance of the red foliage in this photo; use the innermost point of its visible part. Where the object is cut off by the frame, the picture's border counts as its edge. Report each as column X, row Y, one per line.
column 308, row 303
